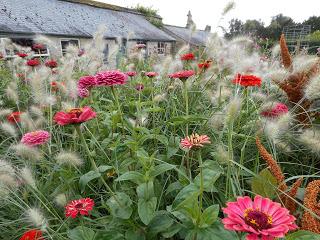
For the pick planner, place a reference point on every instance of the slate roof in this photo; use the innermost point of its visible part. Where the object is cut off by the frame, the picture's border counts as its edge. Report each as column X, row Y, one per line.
column 198, row 38
column 58, row 17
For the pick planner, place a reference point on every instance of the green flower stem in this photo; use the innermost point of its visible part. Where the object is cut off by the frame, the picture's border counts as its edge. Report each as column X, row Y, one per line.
column 230, row 154
column 93, row 164
column 201, row 184
column 115, row 96
column 186, row 98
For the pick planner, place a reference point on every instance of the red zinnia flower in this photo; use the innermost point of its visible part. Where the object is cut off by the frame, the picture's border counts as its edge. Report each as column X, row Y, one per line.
column 74, row 116
column 33, row 62
column 187, row 57
column 33, row 234
column 131, row 74
column 194, row 141
column 14, row 117
column 56, row 85
column 1, row 56
column 81, row 206
column 110, row 78
column 22, row 55
column 182, row 75
column 276, row 111
column 261, row 218
column 204, row 65
column 151, row 74
column 38, row 46
column 247, row 80
column 51, row 63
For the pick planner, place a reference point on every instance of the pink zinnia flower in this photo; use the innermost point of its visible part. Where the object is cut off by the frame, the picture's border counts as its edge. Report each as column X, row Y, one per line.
column 33, row 62
column 74, row 116
column 83, row 92
column 35, row 138
column 182, row 75
column 51, row 63
column 81, row 206
column 140, row 45
column 261, row 218
column 131, row 74
column 110, row 78
column 187, row 57
column 278, row 110
column 151, row 74
column 139, row 87
column 194, row 141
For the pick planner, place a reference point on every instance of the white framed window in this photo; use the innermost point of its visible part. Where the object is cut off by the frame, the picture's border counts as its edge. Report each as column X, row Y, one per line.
column 66, row 42
column 161, row 48
column 40, row 50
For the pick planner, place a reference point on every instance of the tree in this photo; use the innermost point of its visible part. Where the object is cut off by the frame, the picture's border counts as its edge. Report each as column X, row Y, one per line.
column 235, row 28
column 314, row 22
column 277, row 24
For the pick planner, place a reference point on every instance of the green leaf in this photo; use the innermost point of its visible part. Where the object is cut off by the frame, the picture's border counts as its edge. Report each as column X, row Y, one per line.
column 120, row 205
column 185, row 193
column 209, row 216
column 265, row 184
column 145, row 190
column 81, row 233
column 211, row 172
column 161, row 138
column 146, row 209
column 303, row 235
column 160, row 222
column 159, row 169
column 104, row 168
column 86, row 178
column 133, row 176
column 173, row 146
column 134, row 235
column 216, row 230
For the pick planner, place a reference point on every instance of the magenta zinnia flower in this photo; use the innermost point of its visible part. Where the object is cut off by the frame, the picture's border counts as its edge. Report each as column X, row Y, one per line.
column 194, row 141
column 85, row 83
column 182, row 75
column 110, row 78
column 131, row 74
column 261, row 218
column 35, row 138
column 81, row 206
column 151, row 74
column 278, row 110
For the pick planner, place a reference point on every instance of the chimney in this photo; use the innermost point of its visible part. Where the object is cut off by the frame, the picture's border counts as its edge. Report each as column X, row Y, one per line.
column 208, row 28
column 189, row 21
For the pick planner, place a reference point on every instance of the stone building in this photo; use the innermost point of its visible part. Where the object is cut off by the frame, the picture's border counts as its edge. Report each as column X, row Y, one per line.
column 75, row 21
column 189, row 35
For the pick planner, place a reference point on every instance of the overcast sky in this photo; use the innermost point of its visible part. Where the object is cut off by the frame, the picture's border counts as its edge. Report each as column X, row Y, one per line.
column 208, row 12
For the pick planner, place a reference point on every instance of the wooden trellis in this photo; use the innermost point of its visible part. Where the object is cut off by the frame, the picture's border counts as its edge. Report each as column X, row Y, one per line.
column 296, row 36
